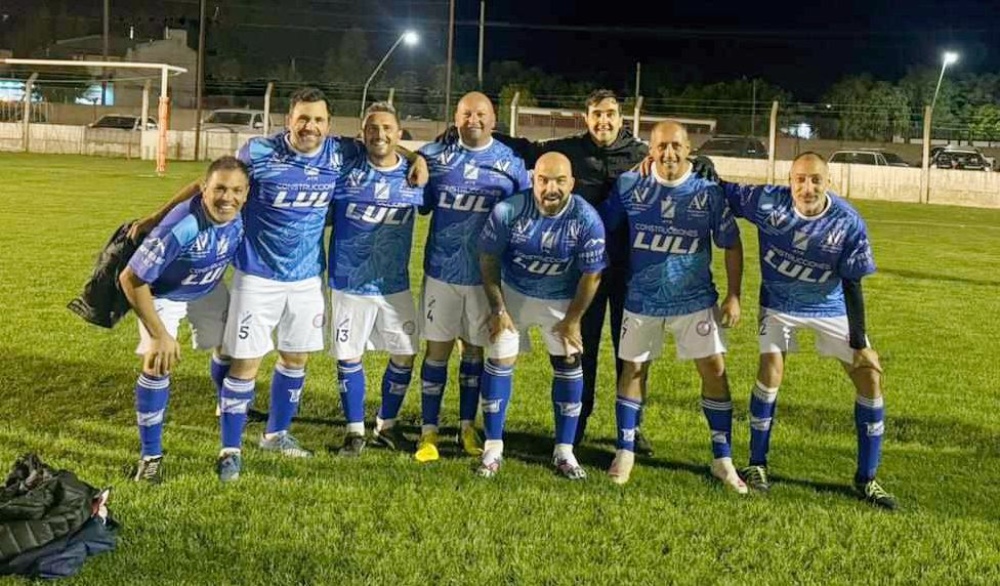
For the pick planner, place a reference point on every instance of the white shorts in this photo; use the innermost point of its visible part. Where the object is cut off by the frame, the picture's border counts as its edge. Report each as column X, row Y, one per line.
column 776, row 332
column 526, row 312
column 697, row 335
column 207, row 316
column 449, row 312
column 258, row 305
column 372, row 322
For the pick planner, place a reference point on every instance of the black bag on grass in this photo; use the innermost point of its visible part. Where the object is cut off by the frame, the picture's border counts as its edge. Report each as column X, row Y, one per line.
column 102, row 302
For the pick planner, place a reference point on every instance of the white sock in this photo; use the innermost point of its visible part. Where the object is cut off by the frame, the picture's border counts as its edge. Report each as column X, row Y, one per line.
column 227, row 451
column 492, row 449
column 428, row 428
column 383, row 424
column 358, row 428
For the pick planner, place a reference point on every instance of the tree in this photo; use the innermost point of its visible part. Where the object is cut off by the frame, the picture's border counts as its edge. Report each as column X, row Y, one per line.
column 527, row 98
column 986, row 122
column 349, row 62
column 868, row 109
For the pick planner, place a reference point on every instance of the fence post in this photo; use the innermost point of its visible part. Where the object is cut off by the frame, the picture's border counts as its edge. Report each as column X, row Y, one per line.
column 513, row 113
column 267, row 107
column 635, row 115
column 925, row 165
column 772, row 147
column 392, row 94
column 26, row 113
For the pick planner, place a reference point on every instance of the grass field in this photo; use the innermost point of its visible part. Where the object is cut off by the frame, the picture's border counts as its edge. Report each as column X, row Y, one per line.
column 66, row 393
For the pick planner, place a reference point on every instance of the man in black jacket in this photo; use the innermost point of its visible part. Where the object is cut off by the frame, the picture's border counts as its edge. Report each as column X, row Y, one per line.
column 598, row 157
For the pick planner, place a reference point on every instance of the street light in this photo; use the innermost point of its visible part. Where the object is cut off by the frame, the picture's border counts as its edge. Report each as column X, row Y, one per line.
column 949, row 58
column 410, row 38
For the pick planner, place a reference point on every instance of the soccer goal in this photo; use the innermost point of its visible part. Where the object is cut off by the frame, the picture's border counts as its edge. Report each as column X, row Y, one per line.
column 163, row 110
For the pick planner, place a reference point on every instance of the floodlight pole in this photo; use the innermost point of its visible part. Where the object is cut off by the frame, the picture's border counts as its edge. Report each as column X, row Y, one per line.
column 364, row 93
column 199, row 81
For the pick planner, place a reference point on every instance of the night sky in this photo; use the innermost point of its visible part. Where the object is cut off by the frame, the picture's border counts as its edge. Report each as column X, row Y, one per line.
column 796, row 46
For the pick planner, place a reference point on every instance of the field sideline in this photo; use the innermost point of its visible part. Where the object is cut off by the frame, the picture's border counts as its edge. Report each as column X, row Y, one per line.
column 933, row 313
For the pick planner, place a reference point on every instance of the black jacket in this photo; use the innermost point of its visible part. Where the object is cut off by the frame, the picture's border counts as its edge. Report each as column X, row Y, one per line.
column 102, row 302
column 595, row 168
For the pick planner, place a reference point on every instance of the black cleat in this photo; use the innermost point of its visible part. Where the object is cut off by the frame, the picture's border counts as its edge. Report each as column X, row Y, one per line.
column 391, row 439
column 643, row 447
column 756, row 478
column 148, row 470
column 354, row 444
column 873, row 494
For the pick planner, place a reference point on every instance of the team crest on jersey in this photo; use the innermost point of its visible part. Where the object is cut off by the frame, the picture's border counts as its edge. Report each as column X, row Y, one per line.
column 777, row 217
column 382, row 189
column 639, row 194
column 699, row 203
column 445, row 158
column 471, row 172
column 201, row 242
column 356, row 177
column 549, row 240
column 668, row 209
column 834, row 239
column 800, row 240
column 222, row 246
column 501, row 165
column 573, row 233
column 522, row 226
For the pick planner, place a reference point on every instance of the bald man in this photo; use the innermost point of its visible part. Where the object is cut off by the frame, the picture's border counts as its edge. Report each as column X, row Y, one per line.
column 814, row 251
column 467, row 178
column 541, row 256
column 672, row 217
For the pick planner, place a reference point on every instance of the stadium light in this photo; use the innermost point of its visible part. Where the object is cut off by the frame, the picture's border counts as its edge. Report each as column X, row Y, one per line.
column 410, row 38
column 948, row 58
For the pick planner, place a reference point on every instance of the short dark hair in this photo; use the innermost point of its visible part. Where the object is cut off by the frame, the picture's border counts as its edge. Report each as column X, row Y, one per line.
column 806, row 154
column 597, row 96
column 380, row 107
column 227, row 163
column 309, row 94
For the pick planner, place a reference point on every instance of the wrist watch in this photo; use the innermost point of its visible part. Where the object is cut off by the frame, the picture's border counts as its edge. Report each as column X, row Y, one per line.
column 499, row 312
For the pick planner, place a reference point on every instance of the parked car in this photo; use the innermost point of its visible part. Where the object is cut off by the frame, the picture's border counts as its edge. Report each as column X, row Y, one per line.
column 123, row 122
column 877, row 157
column 15, row 113
column 234, row 121
column 744, row 147
column 956, row 157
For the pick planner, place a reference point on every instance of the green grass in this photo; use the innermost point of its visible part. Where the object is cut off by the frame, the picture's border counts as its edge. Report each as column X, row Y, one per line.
column 66, row 393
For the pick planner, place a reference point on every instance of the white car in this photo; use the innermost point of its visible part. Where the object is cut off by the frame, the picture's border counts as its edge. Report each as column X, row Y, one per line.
column 236, row 120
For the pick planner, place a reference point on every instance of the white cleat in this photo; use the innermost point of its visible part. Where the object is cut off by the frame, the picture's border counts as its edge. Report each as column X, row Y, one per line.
column 723, row 469
column 490, row 464
column 621, row 467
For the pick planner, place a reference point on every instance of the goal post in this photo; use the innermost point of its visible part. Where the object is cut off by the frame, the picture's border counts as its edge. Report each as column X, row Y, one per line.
column 163, row 110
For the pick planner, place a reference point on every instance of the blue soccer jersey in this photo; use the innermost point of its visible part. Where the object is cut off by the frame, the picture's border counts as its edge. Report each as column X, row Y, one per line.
column 464, row 185
column 544, row 256
column 373, row 212
column 803, row 259
column 286, row 210
column 185, row 256
column 671, row 229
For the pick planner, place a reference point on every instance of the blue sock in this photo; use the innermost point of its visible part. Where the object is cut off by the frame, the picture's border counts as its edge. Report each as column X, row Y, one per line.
column 627, row 418
column 151, row 394
column 395, row 381
column 719, row 415
column 237, row 397
column 286, row 390
column 567, row 392
column 434, row 377
column 762, row 403
column 497, row 387
column 218, row 369
column 352, row 390
column 869, row 417
column 469, row 375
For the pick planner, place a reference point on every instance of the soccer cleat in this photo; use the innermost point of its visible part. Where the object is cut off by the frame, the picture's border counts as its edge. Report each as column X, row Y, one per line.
column 568, row 467
column 148, row 470
column 643, row 447
column 621, row 467
column 354, row 444
column 756, row 478
column 390, row 439
column 873, row 493
column 228, row 466
column 285, row 444
column 722, row 468
column 490, row 466
column 427, row 449
column 470, row 441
